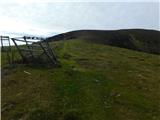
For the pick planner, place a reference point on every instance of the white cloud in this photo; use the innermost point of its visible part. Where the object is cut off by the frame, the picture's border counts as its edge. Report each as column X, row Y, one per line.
column 16, row 25
column 52, row 1
column 47, row 18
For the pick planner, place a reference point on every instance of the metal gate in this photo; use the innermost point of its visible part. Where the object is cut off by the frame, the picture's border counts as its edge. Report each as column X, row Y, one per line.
column 36, row 50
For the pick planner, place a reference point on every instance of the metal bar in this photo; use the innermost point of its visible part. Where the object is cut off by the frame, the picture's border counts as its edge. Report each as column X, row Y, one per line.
column 9, row 43
column 11, row 52
column 8, row 52
column 18, row 49
column 5, row 36
column 31, row 52
column 33, row 38
column 51, row 51
column 23, row 40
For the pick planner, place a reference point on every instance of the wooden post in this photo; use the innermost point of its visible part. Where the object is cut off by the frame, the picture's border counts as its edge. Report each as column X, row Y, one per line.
column 1, row 44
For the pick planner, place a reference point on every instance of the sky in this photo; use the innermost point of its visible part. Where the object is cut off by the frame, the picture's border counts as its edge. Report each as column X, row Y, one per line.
column 49, row 18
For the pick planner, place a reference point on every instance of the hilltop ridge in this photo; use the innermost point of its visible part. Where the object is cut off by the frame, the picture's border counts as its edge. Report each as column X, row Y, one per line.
column 135, row 39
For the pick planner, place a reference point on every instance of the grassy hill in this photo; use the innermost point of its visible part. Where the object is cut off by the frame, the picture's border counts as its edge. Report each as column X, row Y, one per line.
column 135, row 39
column 94, row 82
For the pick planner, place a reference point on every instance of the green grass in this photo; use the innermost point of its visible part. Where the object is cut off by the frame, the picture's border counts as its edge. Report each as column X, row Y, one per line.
column 94, row 82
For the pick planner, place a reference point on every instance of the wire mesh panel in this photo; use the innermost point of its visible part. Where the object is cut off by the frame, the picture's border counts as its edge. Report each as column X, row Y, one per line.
column 35, row 50
column 6, row 50
column 5, row 43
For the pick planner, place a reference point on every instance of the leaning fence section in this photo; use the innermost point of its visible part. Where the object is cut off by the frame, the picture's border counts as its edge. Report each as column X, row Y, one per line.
column 29, row 49
column 36, row 50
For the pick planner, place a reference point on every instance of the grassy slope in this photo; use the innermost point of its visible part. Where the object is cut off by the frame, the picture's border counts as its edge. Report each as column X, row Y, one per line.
column 95, row 82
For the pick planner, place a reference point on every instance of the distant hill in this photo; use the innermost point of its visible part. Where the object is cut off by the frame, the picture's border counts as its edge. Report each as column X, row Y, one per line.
column 135, row 39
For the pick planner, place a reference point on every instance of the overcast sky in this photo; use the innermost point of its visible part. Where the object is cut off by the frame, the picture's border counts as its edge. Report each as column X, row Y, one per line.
column 51, row 17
